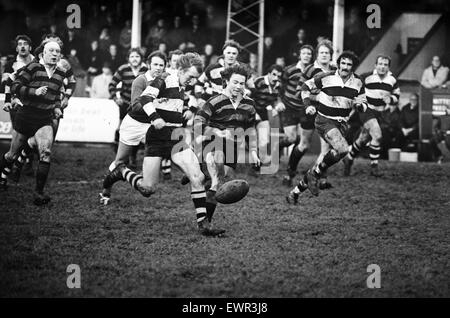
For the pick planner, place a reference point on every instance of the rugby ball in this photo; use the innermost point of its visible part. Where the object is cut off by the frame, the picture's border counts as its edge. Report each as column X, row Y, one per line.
column 232, row 191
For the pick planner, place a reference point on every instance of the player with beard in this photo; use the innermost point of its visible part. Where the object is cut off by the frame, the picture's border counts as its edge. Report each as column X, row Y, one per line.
column 38, row 85
column 322, row 64
column 382, row 90
column 134, row 127
column 339, row 91
column 125, row 75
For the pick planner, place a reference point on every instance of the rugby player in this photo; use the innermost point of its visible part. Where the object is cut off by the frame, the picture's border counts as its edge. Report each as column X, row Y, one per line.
column 134, row 125
column 222, row 116
column 124, row 77
column 265, row 94
column 322, row 64
column 161, row 102
column 291, row 108
column 339, row 91
column 382, row 90
column 38, row 85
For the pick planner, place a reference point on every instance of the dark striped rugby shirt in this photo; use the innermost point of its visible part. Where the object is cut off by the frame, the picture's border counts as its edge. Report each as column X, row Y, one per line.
column 377, row 88
column 160, row 97
column 289, row 81
column 33, row 76
column 125, row 75
column 219, row 112
column 336, row 98
column 265, row 95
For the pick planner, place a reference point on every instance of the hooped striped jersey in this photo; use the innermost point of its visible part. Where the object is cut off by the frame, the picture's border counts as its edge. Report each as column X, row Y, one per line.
column 289, row 81
column 160, row 97
column 377, row 89
column 311, row 71
column 265, row 94
column 126, row 76
column 336, row 98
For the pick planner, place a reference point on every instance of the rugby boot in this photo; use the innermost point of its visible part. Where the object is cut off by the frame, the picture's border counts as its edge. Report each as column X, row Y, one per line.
column 113, row 176
column 375, row 171
column 292, row 197
column 40, row 199
column 313, row 181
column 347, row 166
column 204, row 228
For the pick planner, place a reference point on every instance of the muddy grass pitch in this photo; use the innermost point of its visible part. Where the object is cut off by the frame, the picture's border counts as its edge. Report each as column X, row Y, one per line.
column 150, row 248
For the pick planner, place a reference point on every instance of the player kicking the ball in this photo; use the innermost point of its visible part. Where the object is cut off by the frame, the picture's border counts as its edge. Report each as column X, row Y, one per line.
column 338, row 92
column 162, row 102
column 220, row 117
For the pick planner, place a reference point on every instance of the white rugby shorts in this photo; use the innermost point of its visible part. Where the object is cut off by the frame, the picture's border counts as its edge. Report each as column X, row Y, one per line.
column 132, row 132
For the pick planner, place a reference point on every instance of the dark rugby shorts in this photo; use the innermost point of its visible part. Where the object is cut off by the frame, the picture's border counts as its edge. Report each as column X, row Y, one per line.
column 158, row 143
column 324, row 125
column 28, row 120
column 294, row 116
column 369, row 114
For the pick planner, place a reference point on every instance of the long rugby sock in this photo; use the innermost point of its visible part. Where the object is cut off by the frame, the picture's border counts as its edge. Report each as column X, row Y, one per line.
column 374, row 154
column 131, row 177
column 211, row 204
column 354, row 151
column 23, row 156
column 41, row 175
column 294, row 159
column 330, row 159
column 302, row 185
column 166, row 165
column 199, row 199
column 5, row 169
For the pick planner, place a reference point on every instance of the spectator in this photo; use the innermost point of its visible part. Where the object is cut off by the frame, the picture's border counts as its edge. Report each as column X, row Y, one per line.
column 3, row 73
column 435, row 75
column 176, row 35
column 162, row 47
column 173, row 58
column 72, row 41
column 295, row 48
column 195, row 34
column 253, row 65
column 125, row 37
column 101, row 82
column 280, row 60
column 390, row 129
column 409, row 123
column 208, row 55
column 156, row 35
column 95, row 60
column 104, row 40
column 437, row 139
column 269, row 53
column 113, row 58
column 78, row 72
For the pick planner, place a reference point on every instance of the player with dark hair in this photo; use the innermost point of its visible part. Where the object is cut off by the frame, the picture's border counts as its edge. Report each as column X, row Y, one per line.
column 291, row 107
column 223, row 116
column 322, row 64
column 160, row 102
column 339, row 91
column 382, row 90
column 134, row 127
column 265, row 94
column 125, row 75
column 38, row 85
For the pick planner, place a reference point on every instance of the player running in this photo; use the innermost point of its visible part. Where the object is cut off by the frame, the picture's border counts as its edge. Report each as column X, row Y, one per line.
column 125, row 75
column 222, row 116
column 339, row 91
column 291, row 108
column 38, row 85
column 322, row 64
column 382, row 90
column 265, row 94
column 134, row 125
column 161, row 102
